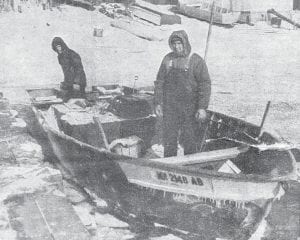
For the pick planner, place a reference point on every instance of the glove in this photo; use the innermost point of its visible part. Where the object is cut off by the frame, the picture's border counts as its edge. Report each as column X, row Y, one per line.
column 201, row 115
column 158, row 111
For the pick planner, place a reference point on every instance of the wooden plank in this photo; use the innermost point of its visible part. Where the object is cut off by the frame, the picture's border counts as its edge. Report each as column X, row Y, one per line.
column 139, row 29
column 154, row 14
column 203, row 157
column 61, row 218
column 26, row 220
column 146, row 15
column 46, row 217
column 152, row 7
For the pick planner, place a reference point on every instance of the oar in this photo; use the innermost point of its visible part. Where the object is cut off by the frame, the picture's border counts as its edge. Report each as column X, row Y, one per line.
column 202, row 141
column 263, row 147
column 264, row 119
column 209, row 29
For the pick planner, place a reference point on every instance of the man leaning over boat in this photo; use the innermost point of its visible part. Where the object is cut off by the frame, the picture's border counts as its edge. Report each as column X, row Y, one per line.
column 182, row 93
column 72, row 67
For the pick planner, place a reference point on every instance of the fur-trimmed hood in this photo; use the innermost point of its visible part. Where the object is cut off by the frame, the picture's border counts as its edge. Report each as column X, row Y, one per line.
column 58, row 41
column 182, row 35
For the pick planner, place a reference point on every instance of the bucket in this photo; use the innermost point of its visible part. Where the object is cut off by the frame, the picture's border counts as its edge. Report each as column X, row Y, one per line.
column 98, row 32
column 275, row 21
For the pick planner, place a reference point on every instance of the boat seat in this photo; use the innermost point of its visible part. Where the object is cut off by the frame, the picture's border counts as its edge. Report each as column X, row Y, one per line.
column 203, row 157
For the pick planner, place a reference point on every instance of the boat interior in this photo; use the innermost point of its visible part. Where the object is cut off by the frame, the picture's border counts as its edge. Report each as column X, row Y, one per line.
column 225, row 144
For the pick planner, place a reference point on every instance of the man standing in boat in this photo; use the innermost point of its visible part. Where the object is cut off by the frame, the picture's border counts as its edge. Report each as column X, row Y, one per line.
column 182, row 93
column 71, row 64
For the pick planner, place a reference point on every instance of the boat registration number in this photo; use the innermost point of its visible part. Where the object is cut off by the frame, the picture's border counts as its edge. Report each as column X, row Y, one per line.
column 179, row 179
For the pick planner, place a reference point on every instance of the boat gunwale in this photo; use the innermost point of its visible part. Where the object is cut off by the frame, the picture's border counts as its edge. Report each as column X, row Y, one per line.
column 146, row 162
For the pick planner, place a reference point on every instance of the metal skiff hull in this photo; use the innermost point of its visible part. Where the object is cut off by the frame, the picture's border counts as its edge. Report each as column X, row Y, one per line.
column 215, row 188
column 88, row 163
column 80, row 158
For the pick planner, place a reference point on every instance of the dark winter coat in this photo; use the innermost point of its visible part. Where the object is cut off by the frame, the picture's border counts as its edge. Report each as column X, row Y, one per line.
column 198, row 81
column 71, row 64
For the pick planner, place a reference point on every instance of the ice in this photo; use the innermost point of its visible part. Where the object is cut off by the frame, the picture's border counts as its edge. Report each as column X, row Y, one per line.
column 83, row 210
column 31, row 147
column 19, row 180
column 19, row 123
column 106, row 220
column 113, row 234
column 167, row 237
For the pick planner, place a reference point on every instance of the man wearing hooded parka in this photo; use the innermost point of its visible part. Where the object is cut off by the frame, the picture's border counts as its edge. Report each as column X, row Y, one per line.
column 182, row 93
column 72, row 67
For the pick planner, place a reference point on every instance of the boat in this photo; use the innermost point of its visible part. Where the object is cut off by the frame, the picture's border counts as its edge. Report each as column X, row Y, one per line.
column 239, row 169
column 222, row 13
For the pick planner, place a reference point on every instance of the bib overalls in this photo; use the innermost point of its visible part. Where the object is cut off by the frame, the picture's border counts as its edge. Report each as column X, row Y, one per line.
column 179, row 108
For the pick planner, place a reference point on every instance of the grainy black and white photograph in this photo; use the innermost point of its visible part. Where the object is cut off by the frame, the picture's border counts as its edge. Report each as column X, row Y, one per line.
column 149, row 120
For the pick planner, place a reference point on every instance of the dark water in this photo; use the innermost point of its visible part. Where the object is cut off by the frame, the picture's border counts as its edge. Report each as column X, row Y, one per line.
column 284, row 218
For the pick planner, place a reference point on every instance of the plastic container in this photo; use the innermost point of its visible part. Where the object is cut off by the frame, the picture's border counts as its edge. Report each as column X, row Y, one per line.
column 98, row 32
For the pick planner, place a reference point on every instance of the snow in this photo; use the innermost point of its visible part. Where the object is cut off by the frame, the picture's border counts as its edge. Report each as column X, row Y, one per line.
column 106, row 220
column 252, row 64
column 20, row 180
column 83, row 210
column 5, row 231
column 72, row 194
column 26, row 150
column 19, row 123
column 31, row 147
column 114, row 234
column 37, row 63
column 27, row 179
column 167, row 237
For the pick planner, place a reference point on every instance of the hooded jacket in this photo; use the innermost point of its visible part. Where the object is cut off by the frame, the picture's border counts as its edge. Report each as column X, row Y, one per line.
column 198, row 77
column 71, row 64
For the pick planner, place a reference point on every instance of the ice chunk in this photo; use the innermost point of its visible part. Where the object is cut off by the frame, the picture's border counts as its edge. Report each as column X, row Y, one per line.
column 19, row 123
column 106, row 220
column 229, row 167
column 19, row 180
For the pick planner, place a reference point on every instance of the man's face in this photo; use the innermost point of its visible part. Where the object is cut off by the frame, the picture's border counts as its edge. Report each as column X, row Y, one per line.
column 59, row 49
column 177, row 46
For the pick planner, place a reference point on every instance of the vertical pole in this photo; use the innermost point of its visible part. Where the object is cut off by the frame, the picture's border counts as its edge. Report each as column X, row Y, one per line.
column 209, row 29
column 136, row 77
column 264, row 118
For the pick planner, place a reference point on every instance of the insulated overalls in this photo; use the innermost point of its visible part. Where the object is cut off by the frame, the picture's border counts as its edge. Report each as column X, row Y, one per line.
column 179, row 108
column 71, row 78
